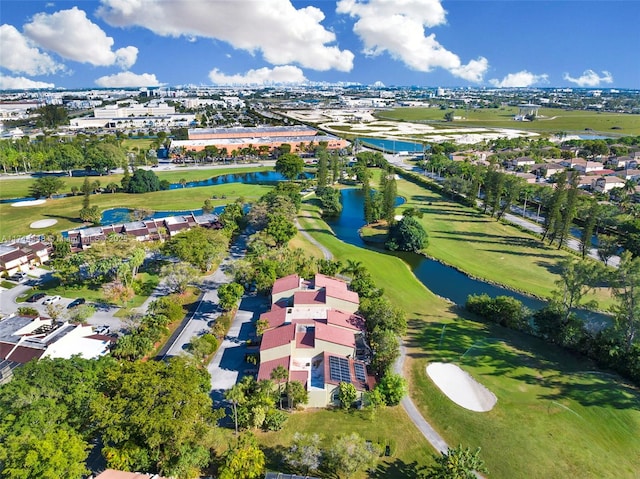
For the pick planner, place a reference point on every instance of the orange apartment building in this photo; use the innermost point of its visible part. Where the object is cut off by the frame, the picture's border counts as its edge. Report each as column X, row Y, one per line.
column 236, row 139
column 315, row 334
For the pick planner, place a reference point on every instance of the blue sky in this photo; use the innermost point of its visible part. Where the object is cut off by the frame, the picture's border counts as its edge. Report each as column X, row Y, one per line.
column 132, row 43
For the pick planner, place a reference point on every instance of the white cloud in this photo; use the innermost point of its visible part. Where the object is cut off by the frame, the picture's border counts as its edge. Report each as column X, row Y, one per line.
column 521, row 79
column 398, row 28
column 72, row 35
column 22, row 83
column 127, row 79
column 261, row 76
column 589, row 78
column 19, row 56
column 282, row 33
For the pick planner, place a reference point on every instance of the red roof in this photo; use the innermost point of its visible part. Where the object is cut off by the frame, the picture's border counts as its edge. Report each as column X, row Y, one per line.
column 305, row 339
column 23, row 354
column 278, row 337
column 365, row 385
column 342, row 293
column 334, row 334
column 286, row 284
column 309, row 297
column 275, row 317
column 264, row 372
column 322, row 280
column 113, row 474
column 345, row 320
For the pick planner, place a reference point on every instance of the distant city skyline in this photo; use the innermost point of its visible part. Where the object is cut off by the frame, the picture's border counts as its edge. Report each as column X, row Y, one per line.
column 117, row 43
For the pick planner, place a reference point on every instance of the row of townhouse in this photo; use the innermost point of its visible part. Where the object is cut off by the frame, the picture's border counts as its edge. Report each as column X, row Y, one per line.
column 145, row 230
column 315, row 334
column 22, row 255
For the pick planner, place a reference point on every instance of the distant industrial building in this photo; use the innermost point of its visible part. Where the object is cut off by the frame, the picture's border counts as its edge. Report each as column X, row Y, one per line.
column 152, row 114
column 265, row 137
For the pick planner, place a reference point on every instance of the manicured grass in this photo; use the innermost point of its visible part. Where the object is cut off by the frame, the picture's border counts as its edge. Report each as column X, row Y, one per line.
column 299, row 241
column 410, row 451
column 556, row 416
column 7, row 284
column 18, row 188
column 465, row 238
column 552, row 120
column 15, row 221
column 526, row 434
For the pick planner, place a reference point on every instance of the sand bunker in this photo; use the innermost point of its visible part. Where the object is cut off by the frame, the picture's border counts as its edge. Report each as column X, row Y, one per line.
column 28, row 203
column 461, row 388
column 43, row 223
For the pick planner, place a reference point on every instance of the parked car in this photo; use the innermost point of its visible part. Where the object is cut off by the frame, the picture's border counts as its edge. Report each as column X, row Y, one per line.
column 52, row 299
column 17, row 277
column 35, row 297
column 76, row 302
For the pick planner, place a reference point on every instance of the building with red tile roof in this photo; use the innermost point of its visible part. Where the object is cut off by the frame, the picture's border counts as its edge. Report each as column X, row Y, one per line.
column 310, row 322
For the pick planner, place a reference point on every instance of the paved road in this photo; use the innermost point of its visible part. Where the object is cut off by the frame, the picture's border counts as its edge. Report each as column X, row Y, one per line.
column 423, row 426
column 207, row 310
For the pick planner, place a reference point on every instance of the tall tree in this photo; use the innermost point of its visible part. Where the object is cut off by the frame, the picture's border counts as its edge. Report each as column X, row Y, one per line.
column 588, row 228
column 304, row 454
column 279, row 375
column 351, row 453
column 457, row 463
column 46, row 186
column 290, row 166
column 243, row 461
column 568, row 212
column 322, row 175
column 553, row 216
column 626, row 291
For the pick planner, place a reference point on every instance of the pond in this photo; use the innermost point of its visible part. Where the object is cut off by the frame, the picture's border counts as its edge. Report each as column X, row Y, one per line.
column 252, row 178
column 442, row 280
column 123, row 215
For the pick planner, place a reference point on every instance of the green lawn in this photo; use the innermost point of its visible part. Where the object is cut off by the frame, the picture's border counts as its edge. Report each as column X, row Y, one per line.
column 410, row 451
column 527, row 434
column 18, row 188
column 15, row 221
column 552, row 120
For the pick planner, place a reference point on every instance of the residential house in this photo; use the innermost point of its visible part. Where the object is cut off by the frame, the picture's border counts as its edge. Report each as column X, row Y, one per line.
column 605, row 184
column 626, row 162
column 314, row 333
column 529, row 178
column 546, row 170
column 522, row 162
column 21, row 255
column 632, row 174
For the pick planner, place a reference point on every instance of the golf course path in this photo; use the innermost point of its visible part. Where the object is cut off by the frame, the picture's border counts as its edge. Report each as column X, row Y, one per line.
column 325, row 252
column 423, row 426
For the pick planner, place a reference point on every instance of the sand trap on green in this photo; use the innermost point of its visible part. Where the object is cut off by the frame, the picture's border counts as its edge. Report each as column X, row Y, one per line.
column 43, row 223
column 461, row 388
column 28, row 203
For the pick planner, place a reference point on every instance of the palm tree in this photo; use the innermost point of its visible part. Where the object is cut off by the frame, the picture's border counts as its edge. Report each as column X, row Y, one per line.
column 278, row 375
column 235, row 396
column 183, row 182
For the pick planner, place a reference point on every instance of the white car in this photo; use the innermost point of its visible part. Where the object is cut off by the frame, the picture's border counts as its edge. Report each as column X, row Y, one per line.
column 52, row 299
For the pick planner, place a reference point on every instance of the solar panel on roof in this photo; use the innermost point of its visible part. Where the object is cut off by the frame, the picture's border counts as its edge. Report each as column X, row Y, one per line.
column 360, row 372
column 339, row 369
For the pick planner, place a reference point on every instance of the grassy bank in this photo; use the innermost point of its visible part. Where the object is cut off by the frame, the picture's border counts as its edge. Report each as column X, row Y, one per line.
column 15, row 221
column 485, row 248
column 552, row 120
column 527, row 434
